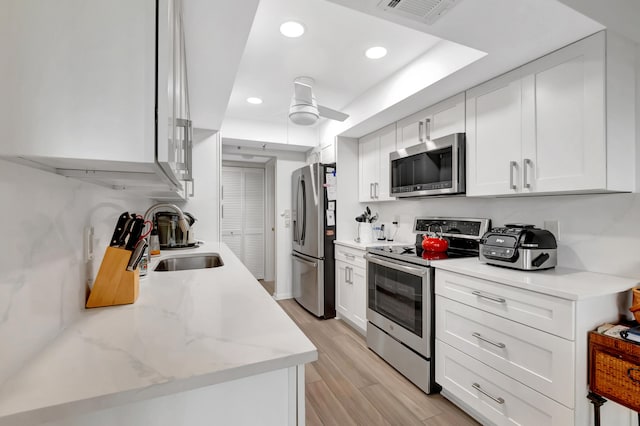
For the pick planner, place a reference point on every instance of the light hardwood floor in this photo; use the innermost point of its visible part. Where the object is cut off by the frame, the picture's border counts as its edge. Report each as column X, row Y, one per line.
column 350, row 385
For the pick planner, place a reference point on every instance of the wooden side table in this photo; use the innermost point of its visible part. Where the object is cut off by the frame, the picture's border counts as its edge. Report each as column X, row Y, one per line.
column 614, row 373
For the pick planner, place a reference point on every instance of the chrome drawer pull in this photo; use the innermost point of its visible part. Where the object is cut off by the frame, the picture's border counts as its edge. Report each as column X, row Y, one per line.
column 488, row 296
column 350, row 256
column 491, row 342
column 479, row 389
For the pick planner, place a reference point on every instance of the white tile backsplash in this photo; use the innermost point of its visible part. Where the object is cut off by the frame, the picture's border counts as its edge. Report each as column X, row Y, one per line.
column 42, row 262
column 598, row 233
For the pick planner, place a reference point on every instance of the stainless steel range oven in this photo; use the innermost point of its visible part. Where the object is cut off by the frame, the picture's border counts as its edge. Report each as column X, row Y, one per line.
column 400, row 296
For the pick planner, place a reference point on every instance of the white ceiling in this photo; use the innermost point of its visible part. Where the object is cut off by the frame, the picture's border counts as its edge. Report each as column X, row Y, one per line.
column 509, row 32
column 331, row 51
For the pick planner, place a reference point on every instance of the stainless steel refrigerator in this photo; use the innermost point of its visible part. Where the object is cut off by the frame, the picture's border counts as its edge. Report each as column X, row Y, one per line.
column 314, row 230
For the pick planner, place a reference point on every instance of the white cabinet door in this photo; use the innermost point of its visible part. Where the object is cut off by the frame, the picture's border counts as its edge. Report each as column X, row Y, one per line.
column 494, row 134
column 368, row 163
column 344, row 302
column 447, row 117
column 387, row 145
column 328, row 154
column 411, row 130
column 359, row 284
column 564, row 146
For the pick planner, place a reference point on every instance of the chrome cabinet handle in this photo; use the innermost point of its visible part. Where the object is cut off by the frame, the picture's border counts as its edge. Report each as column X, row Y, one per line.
column 371, row 190
column 222, row 215
column 193, row 188
column 420, row 130
column 512, row 166
column 427, row 129
column 222, row 192
column 346, row 275
column 527, row 162
column 376, row 190
column 477, row 387
column 488, row 296
column 350, row 275
column 491, row 342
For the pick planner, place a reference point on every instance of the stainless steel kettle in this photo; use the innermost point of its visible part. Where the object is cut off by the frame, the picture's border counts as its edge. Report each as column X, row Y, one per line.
column 169, row 233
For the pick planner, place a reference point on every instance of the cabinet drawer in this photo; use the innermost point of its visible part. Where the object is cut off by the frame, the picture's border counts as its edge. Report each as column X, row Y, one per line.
column 535, row 358
column 537, row 310
column 350, row 255
column 498, row 398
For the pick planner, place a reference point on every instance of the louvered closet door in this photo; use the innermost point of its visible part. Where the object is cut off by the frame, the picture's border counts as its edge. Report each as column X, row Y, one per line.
column 242, row 216
column 231, row 213
column 253, row 215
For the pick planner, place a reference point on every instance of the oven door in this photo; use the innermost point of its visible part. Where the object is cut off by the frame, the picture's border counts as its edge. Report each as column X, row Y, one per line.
column 399, row 301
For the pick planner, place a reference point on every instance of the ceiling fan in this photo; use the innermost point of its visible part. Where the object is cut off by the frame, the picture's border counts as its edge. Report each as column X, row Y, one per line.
column 304, row 110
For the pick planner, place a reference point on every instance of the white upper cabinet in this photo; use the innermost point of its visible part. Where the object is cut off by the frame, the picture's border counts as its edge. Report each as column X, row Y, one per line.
column 373, row 164
column 559, row 124
column 80, row 91
column 441, row 119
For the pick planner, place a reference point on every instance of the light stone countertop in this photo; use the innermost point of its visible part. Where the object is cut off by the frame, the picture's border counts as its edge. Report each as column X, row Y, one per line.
column 188, row 329
column 375, row 243
column 560, row 282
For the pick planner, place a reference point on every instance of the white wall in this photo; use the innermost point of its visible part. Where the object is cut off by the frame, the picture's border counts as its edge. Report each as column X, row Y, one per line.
column 205, row 205
column 286, row 163
column 42, row 264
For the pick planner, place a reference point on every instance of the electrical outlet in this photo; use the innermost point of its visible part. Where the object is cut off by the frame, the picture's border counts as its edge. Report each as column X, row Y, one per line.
column 553, row 226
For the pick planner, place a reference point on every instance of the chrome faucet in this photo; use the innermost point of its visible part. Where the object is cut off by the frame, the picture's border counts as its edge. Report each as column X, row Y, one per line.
column 182, row 220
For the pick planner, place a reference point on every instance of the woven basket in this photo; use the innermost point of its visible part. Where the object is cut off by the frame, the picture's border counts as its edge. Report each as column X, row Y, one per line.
column 615, row 369
column 635, row 304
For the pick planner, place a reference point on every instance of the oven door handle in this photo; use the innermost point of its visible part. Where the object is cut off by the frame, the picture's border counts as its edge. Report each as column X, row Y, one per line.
column 396, row 265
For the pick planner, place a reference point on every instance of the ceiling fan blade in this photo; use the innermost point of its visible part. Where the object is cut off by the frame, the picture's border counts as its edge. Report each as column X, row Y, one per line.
column 303, row 92
column 332, row 113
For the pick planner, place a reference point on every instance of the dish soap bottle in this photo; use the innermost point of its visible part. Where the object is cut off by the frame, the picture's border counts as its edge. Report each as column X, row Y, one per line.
column 154, row 243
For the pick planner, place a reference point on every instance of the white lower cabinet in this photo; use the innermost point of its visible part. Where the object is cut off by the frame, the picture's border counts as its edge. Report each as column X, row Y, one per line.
column 512, row 356
column 497, row 397
column 351, row 286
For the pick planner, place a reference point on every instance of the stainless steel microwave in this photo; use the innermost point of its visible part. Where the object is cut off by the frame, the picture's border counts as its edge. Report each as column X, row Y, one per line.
column 434, row 167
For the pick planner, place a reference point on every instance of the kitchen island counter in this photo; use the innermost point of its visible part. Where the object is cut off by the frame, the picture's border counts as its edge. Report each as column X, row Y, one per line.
column 188, row 330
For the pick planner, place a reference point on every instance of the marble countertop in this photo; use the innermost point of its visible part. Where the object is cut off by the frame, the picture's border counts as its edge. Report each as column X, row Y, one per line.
column 188, row 329
column 560, row 282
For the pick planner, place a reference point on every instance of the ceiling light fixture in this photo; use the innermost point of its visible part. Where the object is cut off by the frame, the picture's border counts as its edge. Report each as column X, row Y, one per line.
column 292, row 29
column 254, row 101
column 376, row 52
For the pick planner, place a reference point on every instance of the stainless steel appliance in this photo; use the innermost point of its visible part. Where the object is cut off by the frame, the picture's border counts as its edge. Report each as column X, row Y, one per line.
column 170, row 234
column 400, row 296
column 434, row 167
column 519, row 246
column 314, row 230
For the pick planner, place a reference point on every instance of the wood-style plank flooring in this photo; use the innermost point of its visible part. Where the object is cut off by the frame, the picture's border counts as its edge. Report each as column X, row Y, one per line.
column 350, row 385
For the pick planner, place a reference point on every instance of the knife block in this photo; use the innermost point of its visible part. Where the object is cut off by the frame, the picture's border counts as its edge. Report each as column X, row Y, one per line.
column 114, row 285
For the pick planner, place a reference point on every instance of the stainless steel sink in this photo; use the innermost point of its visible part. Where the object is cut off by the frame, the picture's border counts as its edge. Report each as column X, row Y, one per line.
column 195, row 261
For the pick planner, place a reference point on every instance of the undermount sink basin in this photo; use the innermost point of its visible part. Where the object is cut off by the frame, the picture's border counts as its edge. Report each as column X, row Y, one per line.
column 195, row 261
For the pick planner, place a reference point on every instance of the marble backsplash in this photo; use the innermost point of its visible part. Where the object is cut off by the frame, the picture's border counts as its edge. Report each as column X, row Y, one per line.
column 598, row 232
column 43, row 266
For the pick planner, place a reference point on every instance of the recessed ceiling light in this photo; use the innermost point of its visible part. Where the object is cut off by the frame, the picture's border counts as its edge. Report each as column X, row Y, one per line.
column 292, row 29
column 376, row 52
column 255, row 101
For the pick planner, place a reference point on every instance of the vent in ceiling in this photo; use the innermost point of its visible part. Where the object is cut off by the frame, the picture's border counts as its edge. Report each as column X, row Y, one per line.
column 427, row 11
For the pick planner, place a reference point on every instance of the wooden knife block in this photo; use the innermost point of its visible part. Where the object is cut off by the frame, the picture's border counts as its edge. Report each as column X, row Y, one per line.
column 114, row 285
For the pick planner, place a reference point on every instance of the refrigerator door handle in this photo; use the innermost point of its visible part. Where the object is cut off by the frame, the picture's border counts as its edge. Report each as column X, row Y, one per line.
column 295, row 219
column 304, row 212
column 305, row 261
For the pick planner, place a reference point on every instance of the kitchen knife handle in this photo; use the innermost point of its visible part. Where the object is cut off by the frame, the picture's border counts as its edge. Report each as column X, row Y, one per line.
column 136, row 256
column 120, row 225
column 136, row 231
column 512, row 166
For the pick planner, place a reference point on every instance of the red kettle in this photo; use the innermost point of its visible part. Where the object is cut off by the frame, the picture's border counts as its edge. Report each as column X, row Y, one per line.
column 434, row 242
